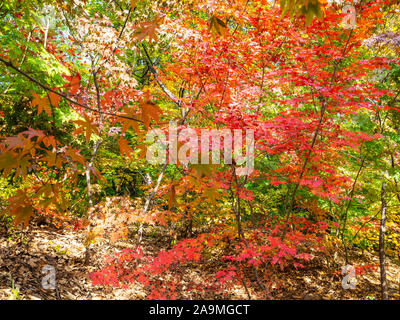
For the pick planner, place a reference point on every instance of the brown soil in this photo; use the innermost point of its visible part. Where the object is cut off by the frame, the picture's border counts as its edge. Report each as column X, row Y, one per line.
column 22, row 262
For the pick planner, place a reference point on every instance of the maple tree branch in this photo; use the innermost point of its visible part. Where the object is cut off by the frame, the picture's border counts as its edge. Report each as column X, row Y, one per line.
column 160, row 177
column 370, row 219
column 125, row 22
column 120, row 34
column 236, row 209
column 160, row 83
column 47, row 88
column 96, row 145
column 314, row 139
column 149, row 199
column 118, row 5
column 23, row 58
column 394, row 179
column 98, row 97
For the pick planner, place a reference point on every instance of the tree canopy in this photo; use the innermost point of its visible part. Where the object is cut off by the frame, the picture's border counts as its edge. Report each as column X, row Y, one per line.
column 254, row 135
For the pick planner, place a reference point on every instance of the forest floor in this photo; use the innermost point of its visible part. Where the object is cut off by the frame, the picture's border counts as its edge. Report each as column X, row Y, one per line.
column 21, row 265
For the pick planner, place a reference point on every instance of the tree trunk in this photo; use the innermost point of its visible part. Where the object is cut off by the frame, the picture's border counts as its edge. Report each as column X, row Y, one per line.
column 382, row 257
column 87, row 255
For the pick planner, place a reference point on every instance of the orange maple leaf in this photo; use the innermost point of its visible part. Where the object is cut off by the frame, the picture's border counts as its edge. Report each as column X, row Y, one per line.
column 150, row 111
column 124, row 147
column 54, row 99
column 7, row 163
column 129, row 123
column 20, row 207
column 75, row 155
column 42, row 103
column 87, row 127
column 74, row 83
column 148, row 29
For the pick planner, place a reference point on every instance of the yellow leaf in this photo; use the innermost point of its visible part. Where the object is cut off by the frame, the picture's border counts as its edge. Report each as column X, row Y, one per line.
column 217, row 26
column 202, row 170
column 211, row 194
column 307, row 8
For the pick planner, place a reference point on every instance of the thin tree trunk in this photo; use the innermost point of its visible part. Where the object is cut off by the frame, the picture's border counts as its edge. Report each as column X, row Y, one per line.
column 94, row 153
column 382, row 257
column 351, row 195
column 236, row 204
column 149, row 199
column 46, row 31
column 324, row 105
column 88, row 176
